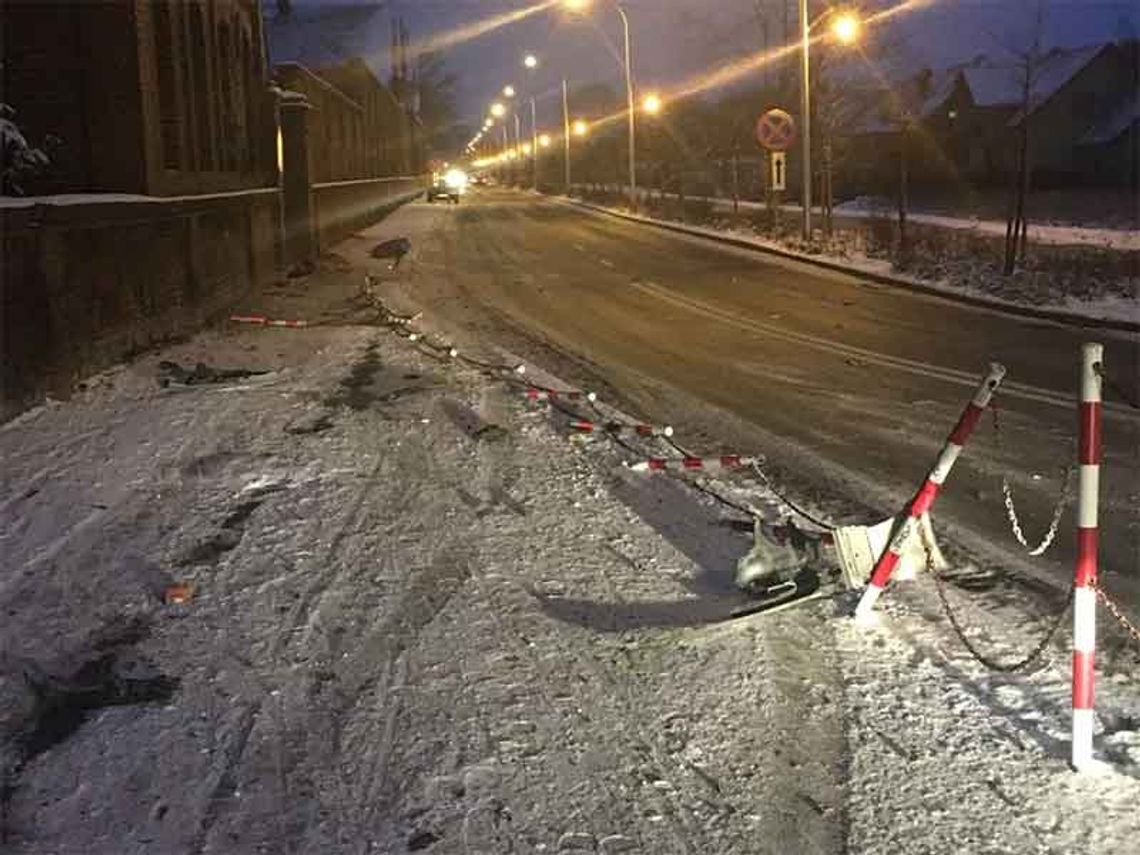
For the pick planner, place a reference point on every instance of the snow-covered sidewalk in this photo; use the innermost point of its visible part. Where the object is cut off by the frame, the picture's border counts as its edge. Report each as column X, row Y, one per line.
column 377, row 601
column 1117, row 309
column 1056, row 235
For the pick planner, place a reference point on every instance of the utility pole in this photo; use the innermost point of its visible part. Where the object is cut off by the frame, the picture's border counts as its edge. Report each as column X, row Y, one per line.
column 805, row 120
column 629, row 105
column 566, row 134
column 534, row 143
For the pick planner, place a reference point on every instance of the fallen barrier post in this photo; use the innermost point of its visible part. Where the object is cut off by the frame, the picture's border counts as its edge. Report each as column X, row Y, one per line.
column 928, row 492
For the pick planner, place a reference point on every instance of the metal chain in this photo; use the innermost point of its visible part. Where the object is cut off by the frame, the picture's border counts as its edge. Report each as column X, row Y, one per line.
column 992, row 664
column 1011, row 510
column 1116, row 612
column 1058, row 511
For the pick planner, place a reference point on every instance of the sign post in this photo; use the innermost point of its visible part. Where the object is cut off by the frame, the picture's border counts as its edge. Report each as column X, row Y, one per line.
column 776, row 131
column 778, row 170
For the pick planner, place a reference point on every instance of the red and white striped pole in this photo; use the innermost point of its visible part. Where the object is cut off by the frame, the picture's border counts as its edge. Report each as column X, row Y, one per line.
column 1084, row 594
column 691, row 464
column 586, row 426
column 924, row 498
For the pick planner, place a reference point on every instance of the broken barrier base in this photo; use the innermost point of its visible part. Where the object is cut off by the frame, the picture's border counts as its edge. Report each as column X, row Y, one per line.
column 860, row 546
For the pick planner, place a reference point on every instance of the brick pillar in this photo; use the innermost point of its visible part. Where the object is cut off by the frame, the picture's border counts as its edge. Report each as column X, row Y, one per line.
column 296, row 198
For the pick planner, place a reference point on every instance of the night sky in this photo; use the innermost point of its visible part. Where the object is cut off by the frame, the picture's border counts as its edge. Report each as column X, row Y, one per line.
column 677, row 40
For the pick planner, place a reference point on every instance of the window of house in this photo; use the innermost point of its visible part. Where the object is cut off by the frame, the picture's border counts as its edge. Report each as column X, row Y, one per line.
column 200, row 91
column 169, row 118
column 227, row 130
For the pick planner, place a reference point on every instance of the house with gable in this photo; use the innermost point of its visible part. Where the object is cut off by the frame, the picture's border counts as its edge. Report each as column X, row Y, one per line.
column 963, row 123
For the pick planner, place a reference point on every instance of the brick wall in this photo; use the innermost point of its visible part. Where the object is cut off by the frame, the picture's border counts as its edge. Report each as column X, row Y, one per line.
column 343, row 207
column 87, row 284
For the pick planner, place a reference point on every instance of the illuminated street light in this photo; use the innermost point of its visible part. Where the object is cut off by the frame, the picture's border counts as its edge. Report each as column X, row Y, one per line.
column 498, row 110
column 651, row 104
column 530, row 61
column 544, row 140
column 579, row 7
column 845, row 28
column 508, row 91
column 526, row 149
column 580, row 128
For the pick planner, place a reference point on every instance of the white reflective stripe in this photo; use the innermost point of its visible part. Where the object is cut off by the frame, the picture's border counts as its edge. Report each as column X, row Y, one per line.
column 1087, row 495
column 867, row 602
column 1082, row 757
column 946, row 462
column 1091, row 354
column 1084, row 620
column 992, row 381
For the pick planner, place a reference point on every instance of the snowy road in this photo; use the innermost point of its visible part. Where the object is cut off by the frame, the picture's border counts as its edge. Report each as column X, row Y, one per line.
column 845, row 381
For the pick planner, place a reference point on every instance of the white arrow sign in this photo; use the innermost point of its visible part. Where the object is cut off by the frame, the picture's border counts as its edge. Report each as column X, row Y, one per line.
column 778, row 161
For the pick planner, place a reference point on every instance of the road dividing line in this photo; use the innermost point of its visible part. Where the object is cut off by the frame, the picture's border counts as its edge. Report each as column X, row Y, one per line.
column 898, row 363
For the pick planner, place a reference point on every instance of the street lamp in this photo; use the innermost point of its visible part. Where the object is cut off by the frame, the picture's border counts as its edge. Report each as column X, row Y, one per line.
column 530, row 61
column 580, row 128
column 845, row 27
column 579, row 7
column 544, row 140
column 498, row 110
column 508, row 91
column 651, row 104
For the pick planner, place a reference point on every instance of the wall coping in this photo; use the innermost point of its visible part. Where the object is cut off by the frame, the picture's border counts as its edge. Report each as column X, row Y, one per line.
column 320, row 81
column 69, row 199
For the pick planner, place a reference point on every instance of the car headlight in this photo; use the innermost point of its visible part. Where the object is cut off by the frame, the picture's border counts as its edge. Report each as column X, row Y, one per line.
column 456, row 179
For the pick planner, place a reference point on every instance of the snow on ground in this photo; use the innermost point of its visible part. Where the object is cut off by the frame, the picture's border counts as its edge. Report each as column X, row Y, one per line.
column 421, row 617
column 1124, row 240
column 850, row 255
column 1119, row 239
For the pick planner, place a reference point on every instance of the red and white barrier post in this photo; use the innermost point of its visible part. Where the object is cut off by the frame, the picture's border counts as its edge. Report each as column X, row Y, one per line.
column 690, row 464
column 1084, row 594
column 924, row 498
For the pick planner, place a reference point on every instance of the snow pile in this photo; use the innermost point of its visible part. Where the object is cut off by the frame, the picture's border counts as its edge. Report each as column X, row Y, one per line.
column 18, row 159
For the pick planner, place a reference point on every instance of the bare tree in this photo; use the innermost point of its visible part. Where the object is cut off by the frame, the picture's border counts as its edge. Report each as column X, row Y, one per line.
column 1027, row 67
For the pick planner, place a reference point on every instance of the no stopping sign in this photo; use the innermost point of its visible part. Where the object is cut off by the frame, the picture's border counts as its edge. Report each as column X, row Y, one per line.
column 776, row 130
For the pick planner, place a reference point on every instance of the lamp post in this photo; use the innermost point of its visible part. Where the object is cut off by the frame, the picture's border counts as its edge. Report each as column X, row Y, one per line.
column 566, row 136
column 845, row 27
column 534, row 144
column 579, row 7
column 530, row 62
column 805, row 120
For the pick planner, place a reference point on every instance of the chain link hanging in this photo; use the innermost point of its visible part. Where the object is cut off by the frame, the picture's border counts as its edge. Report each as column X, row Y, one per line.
column 1117, row 613
column 1011, row 510
column 990, row 663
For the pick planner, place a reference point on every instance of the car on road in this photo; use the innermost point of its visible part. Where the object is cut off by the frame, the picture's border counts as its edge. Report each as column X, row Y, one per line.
column 449, row 186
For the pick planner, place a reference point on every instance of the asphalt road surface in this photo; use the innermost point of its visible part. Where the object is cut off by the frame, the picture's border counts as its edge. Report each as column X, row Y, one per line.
column 848, row 383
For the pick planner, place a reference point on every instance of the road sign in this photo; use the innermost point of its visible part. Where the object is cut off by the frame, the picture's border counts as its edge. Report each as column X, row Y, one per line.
column 776, row 130
column 778, row 163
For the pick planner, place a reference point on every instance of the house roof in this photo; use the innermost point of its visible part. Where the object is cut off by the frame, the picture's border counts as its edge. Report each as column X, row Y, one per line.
column 320, row 36
column 1115, row 123
column 1003, row 85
